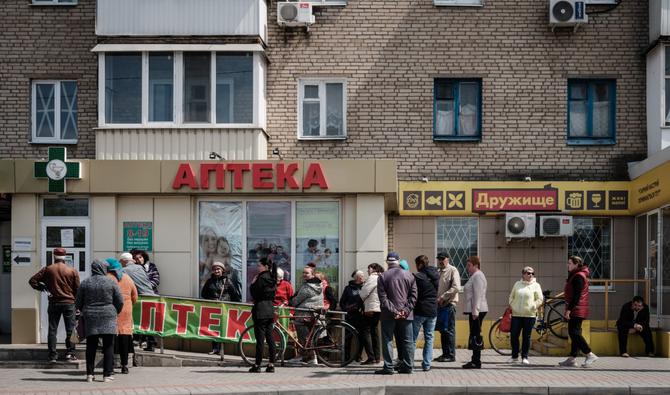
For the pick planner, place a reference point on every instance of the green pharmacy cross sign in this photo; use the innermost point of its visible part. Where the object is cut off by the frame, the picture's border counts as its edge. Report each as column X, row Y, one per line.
column 57, row 169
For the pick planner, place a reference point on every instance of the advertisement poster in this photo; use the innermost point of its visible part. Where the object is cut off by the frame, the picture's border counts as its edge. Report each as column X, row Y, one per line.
column 138, row 236
column 268, row 235
column 220, row 238
column 318, row 239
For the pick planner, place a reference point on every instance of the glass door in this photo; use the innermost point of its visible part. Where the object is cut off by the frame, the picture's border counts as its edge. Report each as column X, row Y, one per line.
column 665, row 267
column 652, row 269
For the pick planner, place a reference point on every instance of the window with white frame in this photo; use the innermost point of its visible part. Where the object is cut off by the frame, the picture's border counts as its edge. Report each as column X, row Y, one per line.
column 178, row 88
column 667, row 86
column 54, row 2
column 54, row 112
column 592, row 241
column 322, row 109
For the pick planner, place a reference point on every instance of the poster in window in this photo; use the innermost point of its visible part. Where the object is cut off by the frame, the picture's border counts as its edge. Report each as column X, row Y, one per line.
column 220, row 239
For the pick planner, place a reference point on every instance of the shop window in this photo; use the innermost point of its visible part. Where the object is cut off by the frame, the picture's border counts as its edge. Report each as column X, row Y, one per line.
column 667, row 86
column 179, row 88
column 592, row 241
column 591, row 111
column 457, row 237
column 54, row 112
column 322, row 109
column 68, row 207
column 220, row 238
column 457, row 109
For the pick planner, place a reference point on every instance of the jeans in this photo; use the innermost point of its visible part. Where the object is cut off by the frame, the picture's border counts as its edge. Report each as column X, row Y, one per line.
column 645, row 334
column 520, row 324
column 54, row 311
column 107, row 352
column 476, row 332
column 402, row 330
column 448, row 333
column 428, row 324
column 578, row 343
column 370, row 335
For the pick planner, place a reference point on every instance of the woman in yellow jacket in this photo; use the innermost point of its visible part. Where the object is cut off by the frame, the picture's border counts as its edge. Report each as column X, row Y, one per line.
column 524, row 300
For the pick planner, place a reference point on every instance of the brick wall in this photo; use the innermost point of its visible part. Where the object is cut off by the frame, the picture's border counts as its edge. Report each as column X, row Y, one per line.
column 390, row 55
column 45, row 43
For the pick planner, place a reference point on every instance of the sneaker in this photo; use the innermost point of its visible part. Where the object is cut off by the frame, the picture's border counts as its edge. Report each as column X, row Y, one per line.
column 472, row 365
column 90, row 378
column 255, row 369
column 589, row 360
column 384, row 372
column 108, row 379
column 124, row 370
column 214, row 352
column 651, row 355
column 625, row 355
column 368, row 362
column 525, row 361
column 313, row 362
column 513, row 360
column 568, row 363
column 70, row 357
column 270, row 368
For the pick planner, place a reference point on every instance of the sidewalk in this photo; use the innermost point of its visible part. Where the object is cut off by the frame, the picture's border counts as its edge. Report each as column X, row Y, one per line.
column 609, row 375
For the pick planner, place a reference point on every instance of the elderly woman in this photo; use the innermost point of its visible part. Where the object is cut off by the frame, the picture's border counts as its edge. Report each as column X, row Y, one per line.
column 475, row 307
column 524, row 300
column 100, row 301
column 263, row 289
column 123, row 344
column 284, row 289
column 371, row 313
column 217, row 287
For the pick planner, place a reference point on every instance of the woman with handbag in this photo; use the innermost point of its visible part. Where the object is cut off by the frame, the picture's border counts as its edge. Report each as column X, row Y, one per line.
column 219, row 287
column 371, row 312
column 524, row 301
column 475, row 307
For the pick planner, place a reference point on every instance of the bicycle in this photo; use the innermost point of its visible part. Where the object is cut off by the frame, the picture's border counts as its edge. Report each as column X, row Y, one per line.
column 334, row 341
column 550, row 319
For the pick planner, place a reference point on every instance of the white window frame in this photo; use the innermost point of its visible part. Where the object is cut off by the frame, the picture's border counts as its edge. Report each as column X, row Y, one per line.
column 321, row 82
column 664, row 110
column 55, row 2
column 459, row 3
column 33, row 110
column 258, row 86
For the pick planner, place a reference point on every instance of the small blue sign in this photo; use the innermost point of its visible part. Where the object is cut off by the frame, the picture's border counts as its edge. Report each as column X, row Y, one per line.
column 579, row 10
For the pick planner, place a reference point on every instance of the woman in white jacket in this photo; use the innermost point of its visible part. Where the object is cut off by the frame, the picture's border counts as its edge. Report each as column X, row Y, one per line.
column 371, row 313
column 476, row 307
column 524, row 300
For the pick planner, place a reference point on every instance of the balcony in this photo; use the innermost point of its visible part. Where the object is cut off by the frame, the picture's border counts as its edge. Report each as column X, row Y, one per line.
column 659, row 19
column 181, row 18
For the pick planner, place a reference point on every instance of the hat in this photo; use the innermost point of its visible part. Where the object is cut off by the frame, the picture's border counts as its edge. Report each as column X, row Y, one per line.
column 404, row 265
column 114, row 266
column 442, row 256
column 59, row 253
column 218, row 264
column 125, row 257
column 392, row 257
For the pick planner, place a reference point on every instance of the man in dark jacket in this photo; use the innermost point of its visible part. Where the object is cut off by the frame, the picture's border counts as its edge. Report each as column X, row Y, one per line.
column 425, row 310
column 62, row 282
column 397, row 297
column 634, row 318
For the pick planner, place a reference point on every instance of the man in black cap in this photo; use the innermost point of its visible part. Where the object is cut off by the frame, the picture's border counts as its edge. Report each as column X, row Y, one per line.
column 62, row 283
column 447, row 298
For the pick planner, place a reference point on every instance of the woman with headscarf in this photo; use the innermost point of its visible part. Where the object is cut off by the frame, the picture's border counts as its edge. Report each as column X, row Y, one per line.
column 123, row 344
column 263, row 290
column 100, row 301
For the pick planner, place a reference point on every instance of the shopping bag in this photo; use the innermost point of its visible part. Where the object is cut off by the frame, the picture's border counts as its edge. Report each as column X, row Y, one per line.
column 74, row 337
column 506, row 321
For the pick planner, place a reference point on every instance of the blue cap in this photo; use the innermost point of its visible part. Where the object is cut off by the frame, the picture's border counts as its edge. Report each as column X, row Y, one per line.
column 392, row 257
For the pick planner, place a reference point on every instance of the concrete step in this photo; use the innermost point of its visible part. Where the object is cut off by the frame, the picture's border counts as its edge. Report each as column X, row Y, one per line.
column 42, row 364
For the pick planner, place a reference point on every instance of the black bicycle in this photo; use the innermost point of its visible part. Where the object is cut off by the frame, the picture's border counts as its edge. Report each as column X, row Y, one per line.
column 550, row 319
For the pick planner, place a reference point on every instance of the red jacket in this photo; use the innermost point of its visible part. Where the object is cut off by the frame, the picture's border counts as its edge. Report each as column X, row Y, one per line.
column 580, row 301
column 283, row 294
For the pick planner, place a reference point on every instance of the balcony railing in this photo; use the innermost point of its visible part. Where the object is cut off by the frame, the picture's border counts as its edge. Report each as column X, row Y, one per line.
column 181, row 18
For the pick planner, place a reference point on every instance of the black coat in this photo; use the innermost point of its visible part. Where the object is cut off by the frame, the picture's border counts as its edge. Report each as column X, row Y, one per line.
column 626, row 320
column 427, row 282
column 351, row 300
column 263, row 292
column 222, row 288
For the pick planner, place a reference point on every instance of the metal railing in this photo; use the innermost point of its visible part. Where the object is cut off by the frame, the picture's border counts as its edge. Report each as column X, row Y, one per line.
column 608, row 282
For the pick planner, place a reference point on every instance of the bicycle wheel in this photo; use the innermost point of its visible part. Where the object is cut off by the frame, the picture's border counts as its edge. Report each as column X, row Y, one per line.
column 335, row 345
column 500, row 341
column 247, row 348
column 555, row 320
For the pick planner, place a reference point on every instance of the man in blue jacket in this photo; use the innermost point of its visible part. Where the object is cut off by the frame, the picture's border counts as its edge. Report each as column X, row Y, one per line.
column 397, row 296
column 425, row 312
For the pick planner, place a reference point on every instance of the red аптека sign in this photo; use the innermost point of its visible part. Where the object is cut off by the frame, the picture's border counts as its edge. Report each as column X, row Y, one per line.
column 545, row 199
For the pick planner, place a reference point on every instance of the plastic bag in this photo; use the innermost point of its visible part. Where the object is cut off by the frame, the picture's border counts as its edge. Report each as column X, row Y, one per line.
column 506, row 321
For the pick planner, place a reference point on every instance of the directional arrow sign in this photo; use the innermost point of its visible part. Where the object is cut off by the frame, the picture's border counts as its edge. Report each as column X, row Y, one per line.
column 22, row 260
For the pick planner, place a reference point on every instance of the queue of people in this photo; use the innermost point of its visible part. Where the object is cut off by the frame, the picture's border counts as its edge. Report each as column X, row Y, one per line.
column 104, row 303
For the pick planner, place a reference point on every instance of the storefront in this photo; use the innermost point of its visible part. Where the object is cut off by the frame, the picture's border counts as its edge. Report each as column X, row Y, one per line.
column 187, row 214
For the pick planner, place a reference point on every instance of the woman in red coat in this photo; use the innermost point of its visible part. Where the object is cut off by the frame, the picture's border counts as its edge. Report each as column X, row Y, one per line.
column 576, row 294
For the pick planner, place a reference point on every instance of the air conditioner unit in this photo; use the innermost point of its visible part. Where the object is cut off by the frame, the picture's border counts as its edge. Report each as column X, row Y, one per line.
column 294, row 14
column 556, row 226
column 567, row 13
column 520, row 225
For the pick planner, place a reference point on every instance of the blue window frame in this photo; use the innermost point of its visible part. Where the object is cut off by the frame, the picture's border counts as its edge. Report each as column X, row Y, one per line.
column 457, row 109
column 591, row 111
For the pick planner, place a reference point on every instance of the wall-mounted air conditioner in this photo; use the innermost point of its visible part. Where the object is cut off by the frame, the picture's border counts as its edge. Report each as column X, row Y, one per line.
column 294, row 14
column 556, row 226
column 567, row 13
column 520, row 225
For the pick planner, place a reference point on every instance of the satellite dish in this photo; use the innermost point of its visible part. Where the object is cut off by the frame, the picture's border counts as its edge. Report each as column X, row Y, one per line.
column 563, row 11
column 516, row 225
